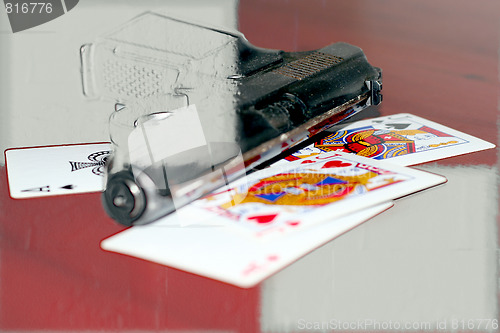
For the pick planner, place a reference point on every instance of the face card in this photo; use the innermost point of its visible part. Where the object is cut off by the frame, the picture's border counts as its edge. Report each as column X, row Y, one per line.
column 405, row 139
column 56, row 170
column 306, row 192
column 218, row 253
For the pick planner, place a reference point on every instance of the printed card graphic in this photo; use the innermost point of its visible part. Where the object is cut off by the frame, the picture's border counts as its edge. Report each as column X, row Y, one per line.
column 56, row 170
column 281, row 199
column 221, row 254
column 405, row 139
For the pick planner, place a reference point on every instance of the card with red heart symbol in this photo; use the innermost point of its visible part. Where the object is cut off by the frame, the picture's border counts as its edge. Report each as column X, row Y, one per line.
column 246, row 232
column 219, row 253
column 323, row 187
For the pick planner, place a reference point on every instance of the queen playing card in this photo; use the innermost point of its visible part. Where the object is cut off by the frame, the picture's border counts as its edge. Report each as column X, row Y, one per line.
column 323, row 187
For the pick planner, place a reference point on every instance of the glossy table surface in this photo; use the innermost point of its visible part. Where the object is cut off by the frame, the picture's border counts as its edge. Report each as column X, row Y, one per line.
column 429, row 262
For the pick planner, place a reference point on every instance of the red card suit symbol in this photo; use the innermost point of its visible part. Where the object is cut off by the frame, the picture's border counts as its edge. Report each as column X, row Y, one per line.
column 293, row 223
column 262, row 219
column 335, row 164
column 252, row 267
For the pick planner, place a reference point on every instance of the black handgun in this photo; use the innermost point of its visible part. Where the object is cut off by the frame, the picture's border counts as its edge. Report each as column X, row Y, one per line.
column 197, row 107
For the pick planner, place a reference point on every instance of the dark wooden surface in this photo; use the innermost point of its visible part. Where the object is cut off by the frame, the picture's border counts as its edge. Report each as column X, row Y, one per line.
column 440, row 61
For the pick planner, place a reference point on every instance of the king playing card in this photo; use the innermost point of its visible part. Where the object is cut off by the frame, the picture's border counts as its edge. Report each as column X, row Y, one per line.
column 405, row 139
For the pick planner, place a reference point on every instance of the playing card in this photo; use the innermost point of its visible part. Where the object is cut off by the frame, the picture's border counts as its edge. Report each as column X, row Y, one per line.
column 56, row 170
column 405, row 139
column 219, row 253
column 281, row 199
